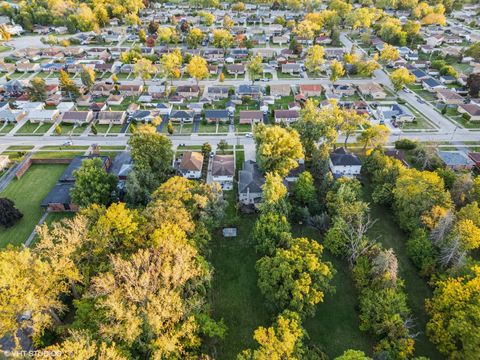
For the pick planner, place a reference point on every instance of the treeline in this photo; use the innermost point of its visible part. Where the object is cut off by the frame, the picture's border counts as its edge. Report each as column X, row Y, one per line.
column 75, row 15
column 440, row 212
column 119, row 282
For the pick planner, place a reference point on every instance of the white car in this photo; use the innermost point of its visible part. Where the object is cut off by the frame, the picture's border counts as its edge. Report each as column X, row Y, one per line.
column 248, row 135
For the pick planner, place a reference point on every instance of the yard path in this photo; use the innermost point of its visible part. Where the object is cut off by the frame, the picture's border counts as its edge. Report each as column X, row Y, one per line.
column 34, row 232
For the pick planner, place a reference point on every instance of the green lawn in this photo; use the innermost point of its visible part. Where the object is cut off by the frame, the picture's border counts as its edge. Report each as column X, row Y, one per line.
column 57, row 154
column 6, row 128
column 417, row 289
column 335, row 327
column 28, row 193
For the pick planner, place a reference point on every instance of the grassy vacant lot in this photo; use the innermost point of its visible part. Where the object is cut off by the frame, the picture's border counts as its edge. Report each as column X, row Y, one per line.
column 391, row 236
column 28, row 193
column 335, row 326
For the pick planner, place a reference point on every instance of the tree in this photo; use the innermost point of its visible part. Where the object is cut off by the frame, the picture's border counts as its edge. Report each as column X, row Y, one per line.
column 206, row 149
column 455, row 319
column 238, row 6
column 255, row 67
column 400, row 78
column 165, row 35
column 221, row 78
column 144, row 68
column 304, row 190
column 473, row 84
column 353, row 355
column 9, row 214
column 222, row 38
column 273, row 190
column 152, row 155
column 58, row 130
column 336, row 70
column 271, row 231
column 142, row 36
column 87, row 76
column 282, row 341
column 170, row 128
column 389, row 53
column 67, row 84
column 170, row 64
column 195, row 37
column 197, row 68
column 375, row 135
column 366, row 68
column 37, row 89
column 228, row 23
column 207, row 18
column 415, row 193
column 29, row 286
column 315, row 59
column 4, row 33
column 278, row 149
column 93, row 185
column 295, row 278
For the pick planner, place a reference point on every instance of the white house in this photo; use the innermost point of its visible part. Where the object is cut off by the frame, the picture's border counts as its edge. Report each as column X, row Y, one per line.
column 43, row 116
column 191, row 165
column 344, row 164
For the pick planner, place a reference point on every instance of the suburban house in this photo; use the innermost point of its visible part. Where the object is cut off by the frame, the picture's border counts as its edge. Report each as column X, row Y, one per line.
column 343, row 90
column 250, row 116
column 191, row 165
column 77, row 117
column 214, row 116
column 286, row 116
column 252, row 91
column 420, row 75
column 472, row 110
column 223, row 168
column 449, row 97
column 43, row 116
column 395, row 113
column 163, row 109
column 344, row 164
column 59, row 197
column 292, row 69
column 182, row 116
column 111, row 117
column 311, row 89
column 143, row 116
column 432, row 85
column 216, row 92
column 188, row 91
column 372, row 90
column 236, row 69
column 279, row 90
column 250, row 182
column 456, row 160
column 115, row 100
column 130, row 89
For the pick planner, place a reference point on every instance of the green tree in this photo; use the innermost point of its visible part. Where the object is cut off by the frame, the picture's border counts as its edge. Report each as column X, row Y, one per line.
column 93, row 185
column 87, row 76
column 353, row 355
column 255, row 67
column 37, row 90
column 9, row 214
column 315, row 59
column 336, row 70
column 271, row 231
column 375, row 135
column 67, row 84
column 400, row 78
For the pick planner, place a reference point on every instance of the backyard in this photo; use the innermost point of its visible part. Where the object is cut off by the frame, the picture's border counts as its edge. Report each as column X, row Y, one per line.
column 28, row 193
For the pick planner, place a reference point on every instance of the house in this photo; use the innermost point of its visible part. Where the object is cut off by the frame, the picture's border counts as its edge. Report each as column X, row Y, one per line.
column 77, row 117
column 343, row 90
column 182, row 116
column 115, row 100
column 323, row 40
column 214, row 116
column 84, row 100
column 111, row 117
column 344, row 164
column 449, row 97
column 250, row 182
column 235, row 69
column 59, row 197
column 25, row 67
column 252, row 91
column 250, row 116
column 122, row 165
column 216, row 92
column 4, row 162
column 98, row 106
column 164, row 109
column 472, row 110
column 43, row 116
column 432, row 85
column 456, row 160
column 11, row 116
column 395, row 113
column 279, row 90
column 102, row 89
column 191, row 165
column 292, row 69
column 311, row 89
column 65, row 106
column 447, row 79
column 280, row 40
column 475, row 157
column 143, row 116
column 130, row 89
column 420, row 75
column 372, row 90
column 188, row 91
column 286, row 116
column 223, row 169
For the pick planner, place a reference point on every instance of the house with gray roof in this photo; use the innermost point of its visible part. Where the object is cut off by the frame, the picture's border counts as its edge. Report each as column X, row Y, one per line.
column 250, row 182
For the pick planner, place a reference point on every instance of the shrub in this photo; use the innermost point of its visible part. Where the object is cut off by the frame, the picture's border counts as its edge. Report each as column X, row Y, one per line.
column 405, row 144
column 466, row 117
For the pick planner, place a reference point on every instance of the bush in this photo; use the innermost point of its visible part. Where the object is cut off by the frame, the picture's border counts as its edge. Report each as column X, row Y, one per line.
column 422, row 252
column 466, row 117
column 9, row 214
column 405, row 144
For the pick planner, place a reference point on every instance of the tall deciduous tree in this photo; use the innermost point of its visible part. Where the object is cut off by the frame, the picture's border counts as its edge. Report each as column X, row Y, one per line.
column 37, row 90
column 336, row 70
column 197, row 68
column 315, row 59
column 400, row 78
column 93, row 185
column 9, row 214
column 255, row 67
column 87, row 76
column 375, row 135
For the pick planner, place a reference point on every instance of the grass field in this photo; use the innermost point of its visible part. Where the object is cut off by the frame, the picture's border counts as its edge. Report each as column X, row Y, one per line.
column 28, row 193
column 417, row 289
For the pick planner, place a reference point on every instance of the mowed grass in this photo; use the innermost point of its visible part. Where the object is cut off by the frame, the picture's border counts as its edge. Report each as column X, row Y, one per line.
column 28, row 193
column 390, row 235
column 335, row 326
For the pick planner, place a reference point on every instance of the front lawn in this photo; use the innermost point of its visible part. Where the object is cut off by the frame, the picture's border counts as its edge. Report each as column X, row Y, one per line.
column 28, row 193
